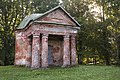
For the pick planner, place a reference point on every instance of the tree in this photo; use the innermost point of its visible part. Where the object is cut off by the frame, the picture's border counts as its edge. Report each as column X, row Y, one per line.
column 11, row 13
column 41, row 6
column 106, row 46
column 113, row 18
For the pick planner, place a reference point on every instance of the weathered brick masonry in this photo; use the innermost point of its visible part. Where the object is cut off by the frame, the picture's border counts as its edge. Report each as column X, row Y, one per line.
column 47, row 39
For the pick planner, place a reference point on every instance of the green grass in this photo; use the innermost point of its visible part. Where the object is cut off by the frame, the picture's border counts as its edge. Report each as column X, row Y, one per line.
column 73, row 73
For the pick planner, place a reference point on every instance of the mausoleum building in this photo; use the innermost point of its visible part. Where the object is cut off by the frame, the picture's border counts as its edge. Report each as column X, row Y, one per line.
column 47, row 39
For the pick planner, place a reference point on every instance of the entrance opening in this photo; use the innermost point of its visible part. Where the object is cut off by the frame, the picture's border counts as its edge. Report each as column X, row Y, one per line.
column 55, row 50
column 50, row 55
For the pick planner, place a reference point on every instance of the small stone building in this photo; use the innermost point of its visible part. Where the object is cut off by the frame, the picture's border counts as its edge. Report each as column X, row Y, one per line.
column 47, row 39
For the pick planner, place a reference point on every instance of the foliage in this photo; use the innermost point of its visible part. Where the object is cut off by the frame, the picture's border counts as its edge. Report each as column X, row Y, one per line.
column 8, row 21
column 41, row 6
column 113, row 18
column 11, row 13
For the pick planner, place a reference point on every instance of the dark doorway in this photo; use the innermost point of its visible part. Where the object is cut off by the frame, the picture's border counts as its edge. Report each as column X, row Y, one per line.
column 50, row 55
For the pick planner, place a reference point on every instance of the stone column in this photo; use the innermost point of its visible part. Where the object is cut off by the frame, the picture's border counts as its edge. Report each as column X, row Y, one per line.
column 35, row 52
column 73, row 50
column 29, row 53
column 44, row 54
column 66, row 51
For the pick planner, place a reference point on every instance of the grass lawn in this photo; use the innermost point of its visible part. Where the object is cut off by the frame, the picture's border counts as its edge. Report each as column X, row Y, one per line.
column 81, row 72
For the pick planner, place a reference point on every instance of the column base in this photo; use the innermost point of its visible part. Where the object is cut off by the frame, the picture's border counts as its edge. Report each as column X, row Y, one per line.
column 66, row 65
column 63, row 66
column 44, row 66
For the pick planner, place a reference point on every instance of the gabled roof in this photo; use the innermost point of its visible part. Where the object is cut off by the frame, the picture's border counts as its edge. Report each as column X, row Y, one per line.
column 33, row 17
column 27, row 20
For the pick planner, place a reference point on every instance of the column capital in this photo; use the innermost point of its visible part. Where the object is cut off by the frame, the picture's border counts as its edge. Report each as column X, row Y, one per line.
column 45, row 35
column 73, row 36
column 36, row 35
column 28, row 39
column 66, row 36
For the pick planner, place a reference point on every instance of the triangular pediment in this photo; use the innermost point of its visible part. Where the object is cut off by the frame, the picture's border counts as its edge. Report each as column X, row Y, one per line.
column 58, row 16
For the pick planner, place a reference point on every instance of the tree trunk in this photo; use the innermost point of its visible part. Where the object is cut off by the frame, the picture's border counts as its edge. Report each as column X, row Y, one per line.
column 79, row 58
column 118, row 50
column 107, row 58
